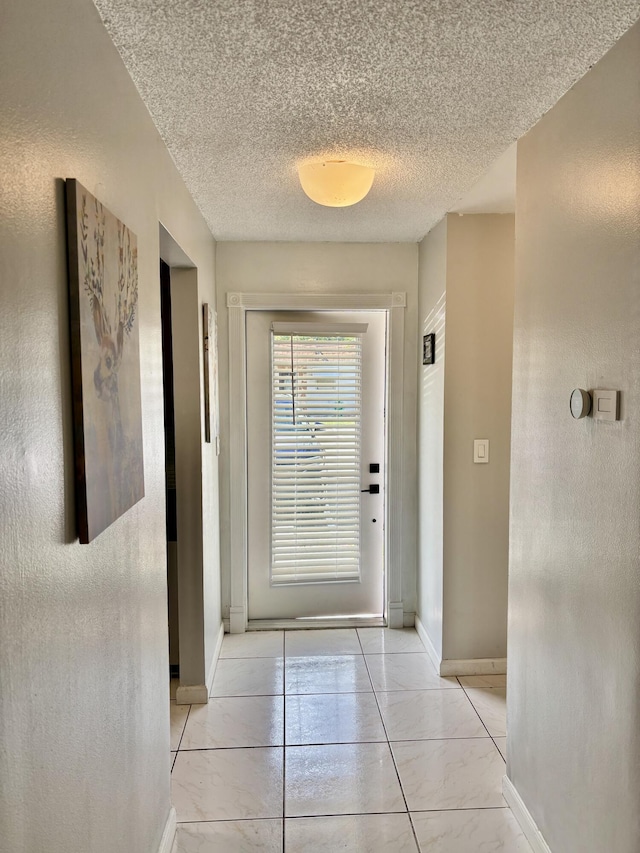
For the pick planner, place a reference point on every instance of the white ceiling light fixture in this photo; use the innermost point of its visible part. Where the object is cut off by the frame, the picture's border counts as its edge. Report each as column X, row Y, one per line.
column 336, row 183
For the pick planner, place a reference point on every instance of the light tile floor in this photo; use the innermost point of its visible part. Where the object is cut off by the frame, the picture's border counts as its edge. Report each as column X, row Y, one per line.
column 345, row 739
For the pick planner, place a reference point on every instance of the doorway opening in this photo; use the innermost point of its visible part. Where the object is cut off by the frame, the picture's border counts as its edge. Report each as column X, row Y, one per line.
column 173, row 613
column 181, row 334
column 241, row 307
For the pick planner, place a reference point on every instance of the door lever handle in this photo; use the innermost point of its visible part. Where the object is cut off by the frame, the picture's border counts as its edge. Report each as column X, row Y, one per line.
column 374, row 489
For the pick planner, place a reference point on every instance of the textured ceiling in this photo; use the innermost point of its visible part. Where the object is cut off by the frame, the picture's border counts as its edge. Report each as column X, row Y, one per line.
column 428, row 91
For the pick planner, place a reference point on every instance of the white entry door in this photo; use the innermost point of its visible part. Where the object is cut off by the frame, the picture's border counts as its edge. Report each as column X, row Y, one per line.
column 316, row 386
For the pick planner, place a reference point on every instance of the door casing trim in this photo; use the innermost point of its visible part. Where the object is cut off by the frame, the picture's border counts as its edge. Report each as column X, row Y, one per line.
column 237, row 304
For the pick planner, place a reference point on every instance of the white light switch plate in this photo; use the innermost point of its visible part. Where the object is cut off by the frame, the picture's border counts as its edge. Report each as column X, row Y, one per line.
column 605, row 405
column 481, row 451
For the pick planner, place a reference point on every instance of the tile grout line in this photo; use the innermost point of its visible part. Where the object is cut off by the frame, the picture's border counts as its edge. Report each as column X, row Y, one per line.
column 481, row 720
column 344, row 814
column 332, row 742
column 175, row 757
column 285, row 746
column 284, row 739
column 393, row 758
column 184, row 728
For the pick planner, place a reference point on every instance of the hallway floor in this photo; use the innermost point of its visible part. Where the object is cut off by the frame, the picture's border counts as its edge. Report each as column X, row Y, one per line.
column 349, row 740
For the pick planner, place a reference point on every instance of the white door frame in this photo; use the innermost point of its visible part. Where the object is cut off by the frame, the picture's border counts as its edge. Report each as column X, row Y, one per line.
column 237, row 305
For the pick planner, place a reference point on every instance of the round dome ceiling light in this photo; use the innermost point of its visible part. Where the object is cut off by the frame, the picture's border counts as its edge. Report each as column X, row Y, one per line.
column 336, row 183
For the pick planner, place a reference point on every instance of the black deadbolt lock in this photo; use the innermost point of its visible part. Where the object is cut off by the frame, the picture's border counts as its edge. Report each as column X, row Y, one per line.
column 374, row 489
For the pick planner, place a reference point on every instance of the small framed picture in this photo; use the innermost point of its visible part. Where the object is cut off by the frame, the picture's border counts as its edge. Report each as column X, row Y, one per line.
column 429, row 348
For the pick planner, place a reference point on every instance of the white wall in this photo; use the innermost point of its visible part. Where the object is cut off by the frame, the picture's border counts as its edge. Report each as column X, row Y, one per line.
column 466, row 297
column 432, row 294
column 574, row 598
column 322, row 268
column 84, row 718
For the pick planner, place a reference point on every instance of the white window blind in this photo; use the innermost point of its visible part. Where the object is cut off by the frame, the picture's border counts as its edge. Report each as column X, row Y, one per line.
column 316, row 422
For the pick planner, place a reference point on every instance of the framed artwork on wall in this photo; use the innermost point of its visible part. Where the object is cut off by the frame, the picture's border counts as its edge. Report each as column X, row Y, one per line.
column 105, row 362
column 429, row 348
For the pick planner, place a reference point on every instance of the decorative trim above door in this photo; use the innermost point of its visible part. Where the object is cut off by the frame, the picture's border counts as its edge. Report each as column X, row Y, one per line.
column 237, row 304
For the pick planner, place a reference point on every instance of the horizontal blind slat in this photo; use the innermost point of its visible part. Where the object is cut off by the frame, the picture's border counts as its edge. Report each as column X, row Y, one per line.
column 316, row 457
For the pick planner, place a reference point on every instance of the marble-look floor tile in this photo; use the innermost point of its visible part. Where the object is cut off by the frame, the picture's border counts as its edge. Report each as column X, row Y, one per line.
column 178, row 718
column 228, row 784
column 483, row 680
column 253, row 644
column 428, row 714
column 366, row 833
column 333, row 718
column 406, row 672
column 235, row 721
column 469, row 831
column 380, row 641
column 501, row 743
column 341, row 779
column 248, row 677
column 232, row 836
column 336, row 641
column 491, row 705
column 342, row 674
column 450, row 774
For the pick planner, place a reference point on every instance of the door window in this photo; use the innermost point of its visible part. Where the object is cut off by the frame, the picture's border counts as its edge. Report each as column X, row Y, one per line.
column 315, row 456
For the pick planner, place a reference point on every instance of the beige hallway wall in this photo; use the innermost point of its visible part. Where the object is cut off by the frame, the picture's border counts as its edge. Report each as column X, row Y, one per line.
column 477, row 393
column 84, row 716
column 574, row 599
column 466, row 297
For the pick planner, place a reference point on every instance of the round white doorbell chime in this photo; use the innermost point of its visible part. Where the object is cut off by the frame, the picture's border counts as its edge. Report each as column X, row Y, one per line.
column 580, row 403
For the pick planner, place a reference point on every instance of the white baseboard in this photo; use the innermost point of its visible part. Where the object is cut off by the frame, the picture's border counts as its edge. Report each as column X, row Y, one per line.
column 474, row 666
column 169, row 834
column 237, row 620
column 426, row 642
column 198, row 694
column 409, row 619
column 214, row 660
column 395, row 615
column 524, row 818
column 192, row 694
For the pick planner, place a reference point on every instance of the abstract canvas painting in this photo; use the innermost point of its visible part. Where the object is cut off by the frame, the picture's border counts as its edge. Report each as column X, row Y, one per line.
column 105, row 351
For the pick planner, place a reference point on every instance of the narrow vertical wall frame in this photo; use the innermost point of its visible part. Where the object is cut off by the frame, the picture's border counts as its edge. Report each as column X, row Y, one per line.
column 237, row 305
column 207, row 322
column 211, row 399
column 429, row 348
